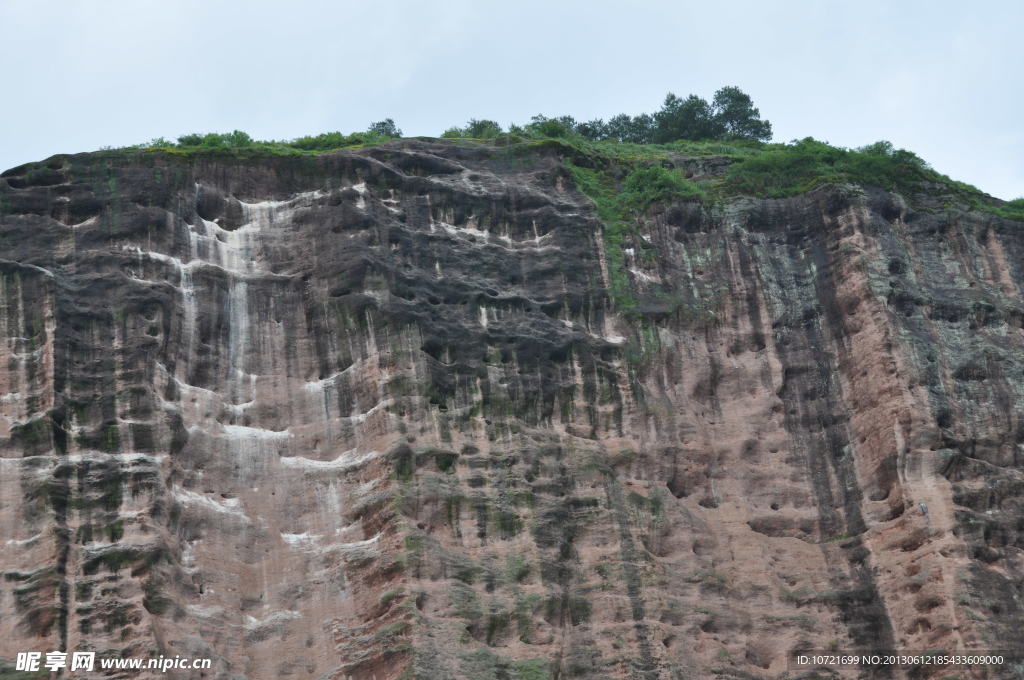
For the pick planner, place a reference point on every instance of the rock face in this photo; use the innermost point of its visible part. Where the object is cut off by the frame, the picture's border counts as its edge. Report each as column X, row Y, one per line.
column 375, row 414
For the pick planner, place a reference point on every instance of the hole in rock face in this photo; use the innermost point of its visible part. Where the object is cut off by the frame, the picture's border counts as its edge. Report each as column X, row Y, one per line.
column 928, row 603
column 38, row 176
column 209, row 204
column 677, row 486
column 701, row 547
column 971, row 371
column 775, row 506
column 879, row 495
column 77, row 210
column 914, row 541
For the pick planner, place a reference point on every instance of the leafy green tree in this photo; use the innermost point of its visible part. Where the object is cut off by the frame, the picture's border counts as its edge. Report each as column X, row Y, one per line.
column 641, row 129
column 736, row 117
column 218, row 140
column 330, row 140
column 690, row 118
column 475, row 129
column 625, row 128
column 483, row 129
column 619, row 127
column 237, row 139
column 190, row 140
column 593, row 130
column 542, row 126
column 385, row 128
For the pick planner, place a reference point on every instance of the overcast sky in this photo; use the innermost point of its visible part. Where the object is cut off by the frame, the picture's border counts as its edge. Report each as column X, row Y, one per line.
column 940, row 78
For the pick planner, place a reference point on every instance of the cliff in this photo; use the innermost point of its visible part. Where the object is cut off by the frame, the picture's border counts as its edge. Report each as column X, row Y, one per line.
column 424, row 410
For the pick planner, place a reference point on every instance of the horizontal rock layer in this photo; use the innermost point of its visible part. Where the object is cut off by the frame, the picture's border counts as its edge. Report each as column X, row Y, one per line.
column 377, row 414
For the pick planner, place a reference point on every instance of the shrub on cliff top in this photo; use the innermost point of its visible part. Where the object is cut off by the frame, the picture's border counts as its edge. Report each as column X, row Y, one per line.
column 218, row 140
column 787, row 170
column 378, row 132
column 336, row 140
column 1011, row 210
column 475, row 129
column 385, row 128
column 654, row 184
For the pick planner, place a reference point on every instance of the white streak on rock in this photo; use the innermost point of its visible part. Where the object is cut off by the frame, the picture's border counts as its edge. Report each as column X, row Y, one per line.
column 24, row 542
column 357, row 545
column 204, row 611
column 300, row 539
column 347, row 460
column 230, row 506
column 277, row 618
column 243, row 432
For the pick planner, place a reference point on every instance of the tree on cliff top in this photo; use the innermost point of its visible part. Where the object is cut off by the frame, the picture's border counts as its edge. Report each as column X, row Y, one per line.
column 730, row 115
column 385, row 128
column 734, row 112
column 690, row 118
column 475, row 129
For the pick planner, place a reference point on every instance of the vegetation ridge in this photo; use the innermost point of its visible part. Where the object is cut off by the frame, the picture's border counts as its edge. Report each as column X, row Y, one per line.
column 729, row 127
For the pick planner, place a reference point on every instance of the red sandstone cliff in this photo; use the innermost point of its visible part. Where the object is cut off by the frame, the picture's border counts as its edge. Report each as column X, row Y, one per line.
column 375, row 414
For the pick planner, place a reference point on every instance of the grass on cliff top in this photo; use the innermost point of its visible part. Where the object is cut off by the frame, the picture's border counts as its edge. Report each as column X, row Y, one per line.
column 783, row 170
column 791, row 169
column 755, row 168
column 240, row 143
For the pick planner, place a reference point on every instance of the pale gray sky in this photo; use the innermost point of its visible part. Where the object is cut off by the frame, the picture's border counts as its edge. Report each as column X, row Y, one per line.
column 943, row 79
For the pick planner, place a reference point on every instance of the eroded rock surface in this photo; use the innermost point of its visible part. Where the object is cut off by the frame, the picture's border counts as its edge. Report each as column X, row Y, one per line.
column 374, row 414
